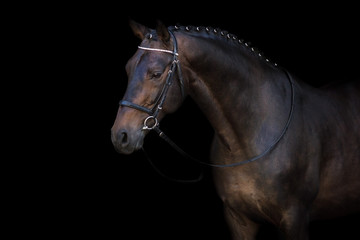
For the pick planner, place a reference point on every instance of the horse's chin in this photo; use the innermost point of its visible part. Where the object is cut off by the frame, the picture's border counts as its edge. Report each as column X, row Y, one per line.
column 125, row 151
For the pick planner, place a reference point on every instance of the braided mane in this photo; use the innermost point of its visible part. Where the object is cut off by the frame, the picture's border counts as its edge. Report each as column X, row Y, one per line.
column 222, row 34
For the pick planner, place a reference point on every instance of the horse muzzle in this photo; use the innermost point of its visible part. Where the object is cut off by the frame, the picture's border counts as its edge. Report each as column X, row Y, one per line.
column 126, row 142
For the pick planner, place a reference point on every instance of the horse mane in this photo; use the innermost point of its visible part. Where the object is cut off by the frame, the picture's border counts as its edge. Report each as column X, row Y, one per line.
column 225, row 36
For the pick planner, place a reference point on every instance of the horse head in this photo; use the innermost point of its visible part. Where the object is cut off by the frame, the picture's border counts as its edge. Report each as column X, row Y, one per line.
column 155, row 87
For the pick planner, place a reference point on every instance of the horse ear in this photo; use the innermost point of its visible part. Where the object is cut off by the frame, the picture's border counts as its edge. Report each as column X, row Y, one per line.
column 139, row 30
column 162, row 31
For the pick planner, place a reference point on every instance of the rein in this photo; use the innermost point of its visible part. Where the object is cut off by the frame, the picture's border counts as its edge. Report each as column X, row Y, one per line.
column 266, row 151
column 153, row 113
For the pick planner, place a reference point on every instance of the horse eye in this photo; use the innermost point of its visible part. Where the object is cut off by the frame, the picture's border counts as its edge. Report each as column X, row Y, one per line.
column 156, row 75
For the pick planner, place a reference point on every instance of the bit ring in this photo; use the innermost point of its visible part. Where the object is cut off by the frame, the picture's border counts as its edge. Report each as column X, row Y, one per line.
column 146, row 126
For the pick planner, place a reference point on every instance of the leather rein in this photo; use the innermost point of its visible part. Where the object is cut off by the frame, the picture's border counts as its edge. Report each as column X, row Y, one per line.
column 152, row 123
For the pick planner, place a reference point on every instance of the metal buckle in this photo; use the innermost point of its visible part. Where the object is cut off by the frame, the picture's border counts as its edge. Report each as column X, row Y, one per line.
column 146, row 127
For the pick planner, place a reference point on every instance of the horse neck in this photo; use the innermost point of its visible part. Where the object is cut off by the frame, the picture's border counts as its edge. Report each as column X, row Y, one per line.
column 245, row 99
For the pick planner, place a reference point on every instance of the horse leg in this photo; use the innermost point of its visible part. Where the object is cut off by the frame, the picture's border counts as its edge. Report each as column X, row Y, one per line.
column 241, row 228
column 294, row 224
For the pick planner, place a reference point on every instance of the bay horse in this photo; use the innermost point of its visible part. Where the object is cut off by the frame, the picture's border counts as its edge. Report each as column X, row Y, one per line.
column 283, row 152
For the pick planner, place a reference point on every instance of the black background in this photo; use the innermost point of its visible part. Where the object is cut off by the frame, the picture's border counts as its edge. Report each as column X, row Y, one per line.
column 84, row 188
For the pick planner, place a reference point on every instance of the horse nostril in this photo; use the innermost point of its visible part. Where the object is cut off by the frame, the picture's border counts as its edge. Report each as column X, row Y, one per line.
column 123, row 138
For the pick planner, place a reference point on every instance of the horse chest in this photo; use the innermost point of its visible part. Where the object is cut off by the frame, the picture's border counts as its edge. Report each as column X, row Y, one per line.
column 246, row 194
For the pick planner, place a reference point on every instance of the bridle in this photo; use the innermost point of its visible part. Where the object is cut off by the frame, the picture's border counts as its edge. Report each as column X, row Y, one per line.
column 153, row 113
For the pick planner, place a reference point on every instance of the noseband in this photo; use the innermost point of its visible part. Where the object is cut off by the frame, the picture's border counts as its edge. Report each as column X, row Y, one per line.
column 153, row 112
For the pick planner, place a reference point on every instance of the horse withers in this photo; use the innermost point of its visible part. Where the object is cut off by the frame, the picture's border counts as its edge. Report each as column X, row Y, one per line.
column 283, row 153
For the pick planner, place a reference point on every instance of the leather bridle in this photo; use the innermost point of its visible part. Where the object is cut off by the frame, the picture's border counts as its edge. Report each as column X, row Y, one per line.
column 153, row 112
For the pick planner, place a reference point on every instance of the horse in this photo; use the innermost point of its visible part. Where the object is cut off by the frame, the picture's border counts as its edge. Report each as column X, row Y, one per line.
column 284, row 152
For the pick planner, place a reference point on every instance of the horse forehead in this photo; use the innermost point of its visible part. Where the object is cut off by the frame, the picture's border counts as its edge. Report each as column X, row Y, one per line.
column 146, row 59
column 133, row 62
